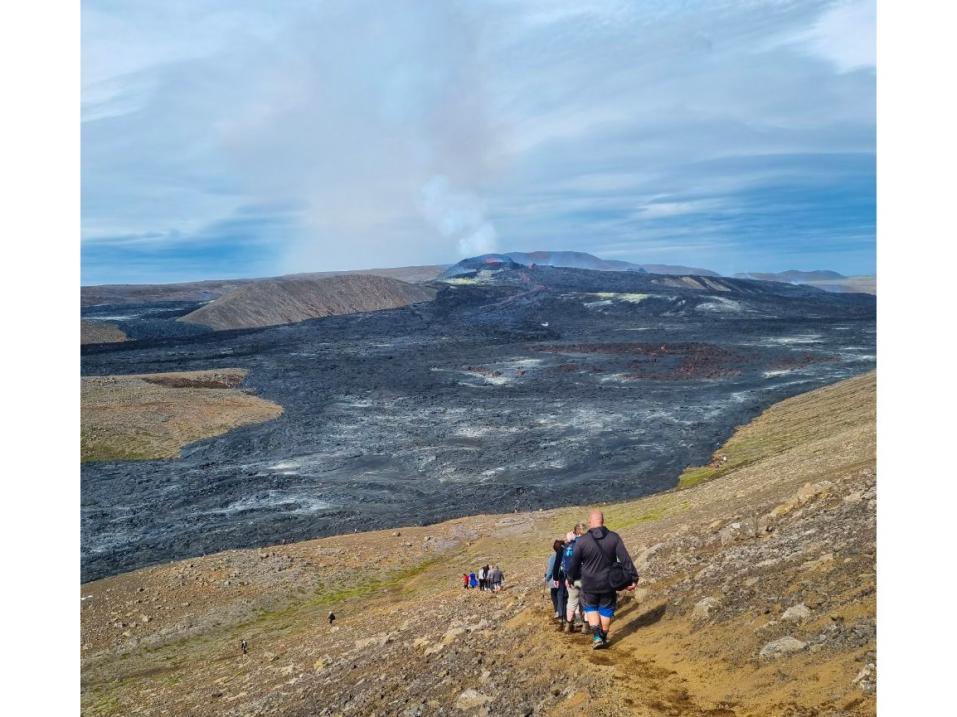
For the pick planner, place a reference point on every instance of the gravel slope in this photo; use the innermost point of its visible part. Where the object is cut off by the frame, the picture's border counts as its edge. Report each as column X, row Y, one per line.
column 757, row 598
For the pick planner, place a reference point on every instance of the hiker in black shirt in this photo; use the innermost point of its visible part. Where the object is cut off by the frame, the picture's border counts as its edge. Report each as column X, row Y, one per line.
column 603, row 565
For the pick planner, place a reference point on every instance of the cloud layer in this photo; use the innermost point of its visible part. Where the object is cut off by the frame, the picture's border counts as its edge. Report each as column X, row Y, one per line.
column 241, row 138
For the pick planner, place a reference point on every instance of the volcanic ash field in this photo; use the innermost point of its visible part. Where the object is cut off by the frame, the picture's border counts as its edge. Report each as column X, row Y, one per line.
column 512, row 390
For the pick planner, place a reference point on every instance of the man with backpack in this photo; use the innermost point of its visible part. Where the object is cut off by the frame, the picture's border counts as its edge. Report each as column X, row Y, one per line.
column 602, row 563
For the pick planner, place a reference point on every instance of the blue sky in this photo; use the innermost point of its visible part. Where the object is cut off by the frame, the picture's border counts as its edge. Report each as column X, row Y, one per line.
column 240, row 138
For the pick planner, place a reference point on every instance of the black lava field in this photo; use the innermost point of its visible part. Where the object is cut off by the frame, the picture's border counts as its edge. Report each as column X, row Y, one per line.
column 514, row 390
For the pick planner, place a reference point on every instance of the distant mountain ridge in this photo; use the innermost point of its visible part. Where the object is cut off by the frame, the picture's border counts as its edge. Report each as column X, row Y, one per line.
column 793, row 275
column 565, row 260
column 822, row 279
column 286, row 300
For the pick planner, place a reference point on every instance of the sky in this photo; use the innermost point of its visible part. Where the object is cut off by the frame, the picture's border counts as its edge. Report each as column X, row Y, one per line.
column 238, row 138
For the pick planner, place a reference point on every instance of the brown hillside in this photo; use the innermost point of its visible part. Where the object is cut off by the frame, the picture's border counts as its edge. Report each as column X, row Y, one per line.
column 286, row 300
column 153, row 416
column 756, row 598
column 211, row 289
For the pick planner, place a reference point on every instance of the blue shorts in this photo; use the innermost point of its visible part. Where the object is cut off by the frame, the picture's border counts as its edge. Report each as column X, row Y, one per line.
column 603, row 603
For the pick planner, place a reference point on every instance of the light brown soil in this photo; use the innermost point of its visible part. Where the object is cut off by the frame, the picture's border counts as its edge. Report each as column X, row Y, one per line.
column 153, row 416
column 270, row 302
column 207, row 290
column 100, row 332
column 791, row 523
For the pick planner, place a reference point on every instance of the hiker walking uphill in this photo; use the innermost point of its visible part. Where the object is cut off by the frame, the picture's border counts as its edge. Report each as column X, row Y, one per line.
column 604, row 567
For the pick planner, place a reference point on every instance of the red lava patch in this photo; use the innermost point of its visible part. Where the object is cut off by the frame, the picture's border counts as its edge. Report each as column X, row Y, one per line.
column 659, row 362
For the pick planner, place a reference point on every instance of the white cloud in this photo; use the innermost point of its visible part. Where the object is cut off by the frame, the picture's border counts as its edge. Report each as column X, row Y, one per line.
column 845, row 34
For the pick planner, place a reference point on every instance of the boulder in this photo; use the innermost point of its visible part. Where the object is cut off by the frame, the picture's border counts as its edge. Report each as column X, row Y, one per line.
column 796, row 613
column 703, row 608
column 780, row 647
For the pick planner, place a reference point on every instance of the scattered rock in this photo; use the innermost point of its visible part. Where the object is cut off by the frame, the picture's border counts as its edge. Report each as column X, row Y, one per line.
column 375, row 640
column 809, row 491
column 820, row 562
column 644, row 558
column 783, row 646
column 470, row 699
column 735, row 531
column 866, row 679
column 452, row 635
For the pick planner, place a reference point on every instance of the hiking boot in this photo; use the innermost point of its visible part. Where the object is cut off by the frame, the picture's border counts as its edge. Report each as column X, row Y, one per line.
column 567, row 627
column 597, row 643
column 586, row 628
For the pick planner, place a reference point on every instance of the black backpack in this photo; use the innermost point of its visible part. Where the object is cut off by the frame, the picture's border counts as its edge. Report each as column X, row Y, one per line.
column 618, row 579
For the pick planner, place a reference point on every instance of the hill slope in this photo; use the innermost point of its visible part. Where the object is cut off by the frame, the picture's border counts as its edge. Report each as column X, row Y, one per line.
column 757, row 598
column 286, row 300
column 122, row 294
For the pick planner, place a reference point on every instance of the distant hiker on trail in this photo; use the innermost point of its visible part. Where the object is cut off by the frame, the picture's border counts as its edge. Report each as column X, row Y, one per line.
column 473, row 581
column 332, row 617
column 488, row 577
column 244, row 647
column 573, row 621
column 497, row 578
column 481, row 578
column 465, row 580
column 600, row 560
column 552, row 572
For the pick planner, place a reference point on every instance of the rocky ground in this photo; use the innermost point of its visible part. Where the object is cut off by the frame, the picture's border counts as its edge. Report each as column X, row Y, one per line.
column 757, row 597
column 150, row 416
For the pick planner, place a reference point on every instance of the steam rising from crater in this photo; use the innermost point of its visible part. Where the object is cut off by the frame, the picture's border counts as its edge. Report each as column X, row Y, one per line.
column 459, row 216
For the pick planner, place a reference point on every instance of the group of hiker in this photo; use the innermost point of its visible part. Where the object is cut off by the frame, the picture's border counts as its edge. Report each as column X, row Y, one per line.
column 584, row 574
column 488, row 577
